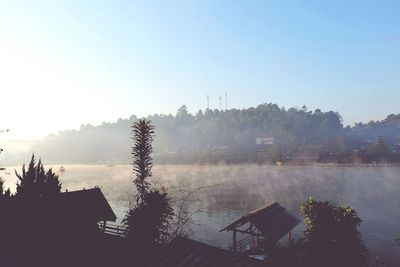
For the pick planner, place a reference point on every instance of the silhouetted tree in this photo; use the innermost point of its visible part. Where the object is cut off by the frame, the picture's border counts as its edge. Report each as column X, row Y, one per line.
column 35, row 182
column 182, row 112
column 143, row 134
column 147, row 221
column 331, row 238
column 4, row 194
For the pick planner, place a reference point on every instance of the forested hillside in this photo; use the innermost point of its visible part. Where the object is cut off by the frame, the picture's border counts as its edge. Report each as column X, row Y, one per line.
column 389, row 128
column 265, row 133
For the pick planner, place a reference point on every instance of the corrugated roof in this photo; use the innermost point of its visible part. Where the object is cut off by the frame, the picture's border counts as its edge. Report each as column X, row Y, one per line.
column 273, row 221
column 185, row 252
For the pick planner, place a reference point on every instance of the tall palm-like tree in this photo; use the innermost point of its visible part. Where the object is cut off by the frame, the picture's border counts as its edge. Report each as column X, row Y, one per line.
column 147, row 222
column 143, row 135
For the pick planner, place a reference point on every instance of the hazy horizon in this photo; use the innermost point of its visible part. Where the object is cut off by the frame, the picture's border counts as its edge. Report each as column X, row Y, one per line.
column 13, row 136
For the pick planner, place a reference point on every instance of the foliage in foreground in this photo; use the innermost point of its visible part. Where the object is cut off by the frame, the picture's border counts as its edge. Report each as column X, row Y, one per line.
column 147, row 222
column 36, row 182
column 4, row 194
column 332, row 237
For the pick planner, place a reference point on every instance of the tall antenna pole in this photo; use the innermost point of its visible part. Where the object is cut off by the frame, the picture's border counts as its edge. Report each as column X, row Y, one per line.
column 220, row 102
column 208, row 102
column 226, row 101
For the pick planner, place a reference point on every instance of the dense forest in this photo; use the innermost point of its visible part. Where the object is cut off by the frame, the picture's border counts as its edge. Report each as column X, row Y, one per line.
column 266, row 133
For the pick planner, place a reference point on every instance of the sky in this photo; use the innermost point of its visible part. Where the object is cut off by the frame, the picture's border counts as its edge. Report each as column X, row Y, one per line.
column 67, row 63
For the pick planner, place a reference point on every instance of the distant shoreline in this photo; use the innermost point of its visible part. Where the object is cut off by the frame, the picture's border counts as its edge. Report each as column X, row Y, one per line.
column 287, row 164
column 346, row 164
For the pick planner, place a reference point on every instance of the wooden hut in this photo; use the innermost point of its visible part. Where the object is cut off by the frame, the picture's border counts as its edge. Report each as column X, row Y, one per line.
column 57, row 230
column 266, row 226
column 86, row 204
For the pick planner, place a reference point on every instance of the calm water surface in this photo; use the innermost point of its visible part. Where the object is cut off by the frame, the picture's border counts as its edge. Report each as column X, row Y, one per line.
column 238, row 189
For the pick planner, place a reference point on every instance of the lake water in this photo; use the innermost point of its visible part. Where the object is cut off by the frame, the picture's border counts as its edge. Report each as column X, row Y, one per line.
column 234, row 190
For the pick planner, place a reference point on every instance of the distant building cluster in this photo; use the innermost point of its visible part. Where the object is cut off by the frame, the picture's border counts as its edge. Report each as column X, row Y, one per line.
column 266, row 140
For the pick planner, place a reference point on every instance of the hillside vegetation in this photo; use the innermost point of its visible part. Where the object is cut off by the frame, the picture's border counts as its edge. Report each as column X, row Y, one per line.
column 266, row 133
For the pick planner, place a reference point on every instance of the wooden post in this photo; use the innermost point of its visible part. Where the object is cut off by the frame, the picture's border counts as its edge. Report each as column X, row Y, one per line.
column 258, row 237
column 234, row 240
column 104, row 226
column 252, row 234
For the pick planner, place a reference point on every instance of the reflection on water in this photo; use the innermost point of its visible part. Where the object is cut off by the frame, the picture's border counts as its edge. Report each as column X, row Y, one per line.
column 237, row 189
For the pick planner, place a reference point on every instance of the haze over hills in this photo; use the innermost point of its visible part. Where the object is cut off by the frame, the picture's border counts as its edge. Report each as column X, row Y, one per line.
column 266, row 133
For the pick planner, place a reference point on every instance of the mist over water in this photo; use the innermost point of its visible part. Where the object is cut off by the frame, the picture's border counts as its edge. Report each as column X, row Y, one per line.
column 238, row 189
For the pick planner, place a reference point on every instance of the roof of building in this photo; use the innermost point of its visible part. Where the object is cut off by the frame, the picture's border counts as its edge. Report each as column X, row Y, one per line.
column 86, row 203
column 273, row 221
column 185, row 252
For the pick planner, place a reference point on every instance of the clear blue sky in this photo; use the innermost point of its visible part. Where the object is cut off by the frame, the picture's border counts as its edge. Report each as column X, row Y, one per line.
column 65, row 63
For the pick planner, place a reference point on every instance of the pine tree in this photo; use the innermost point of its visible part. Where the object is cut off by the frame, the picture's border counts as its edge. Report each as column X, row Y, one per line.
column 52, row 184
column 35, row 182
column 4, row 194
column 26, row 185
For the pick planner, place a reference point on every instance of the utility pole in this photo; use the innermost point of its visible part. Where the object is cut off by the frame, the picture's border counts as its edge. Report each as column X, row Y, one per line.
column 226, row 101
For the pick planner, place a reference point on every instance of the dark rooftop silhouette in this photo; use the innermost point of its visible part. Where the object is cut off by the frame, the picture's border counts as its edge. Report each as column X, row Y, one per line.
column 86, row 203
column 186, row 252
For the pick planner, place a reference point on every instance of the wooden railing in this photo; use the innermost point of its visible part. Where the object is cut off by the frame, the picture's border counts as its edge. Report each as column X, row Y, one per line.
column 113, row 229
column 245, row 244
